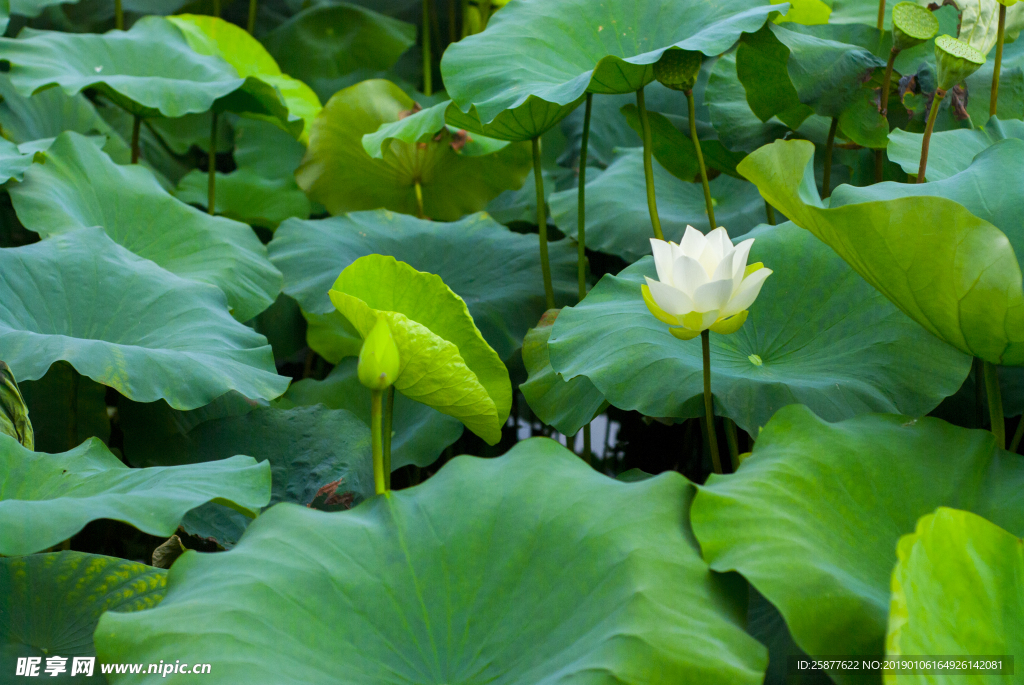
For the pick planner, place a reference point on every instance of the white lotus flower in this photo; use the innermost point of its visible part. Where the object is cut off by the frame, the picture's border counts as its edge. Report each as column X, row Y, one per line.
column 703, row 283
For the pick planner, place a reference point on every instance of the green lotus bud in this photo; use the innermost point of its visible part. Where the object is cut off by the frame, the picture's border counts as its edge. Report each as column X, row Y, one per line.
column 956, row 60
column 912, row 25
column 13, row 412
column 378, row 359
column 678, row 69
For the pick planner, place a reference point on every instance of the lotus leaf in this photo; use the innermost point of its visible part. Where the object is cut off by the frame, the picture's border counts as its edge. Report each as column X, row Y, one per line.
column 51, row 603
column 950, row 152
column 445, row 362
column 416, row 587
column 944, row 267
column 956, row 590
column 501, row 284
column 812, row 518
column 338, row 173
column 79, row 186
column 810, row 314
column 47, row 498
column 127, row 323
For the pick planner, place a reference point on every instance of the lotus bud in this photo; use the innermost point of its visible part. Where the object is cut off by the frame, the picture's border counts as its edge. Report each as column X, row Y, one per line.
column 703, row 283
column 955, row 61
column 912, row 25
column 378, row 358
column 13, row 411
column 678, row 69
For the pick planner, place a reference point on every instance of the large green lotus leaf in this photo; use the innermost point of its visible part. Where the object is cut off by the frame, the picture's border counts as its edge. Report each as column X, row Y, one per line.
column 215, row 37
column 673, row 147
column 66, row 409
column 619, row 222
column 558, row 51
column 502, row 285
column 80, row 186
column 812, row 312
column 445, row 361
column 1011, row 85
column 338, row 173
column 417, row 586
column 423, row 127
column 244, row 195
column 47, row 498
column 944, row 267
column 737, row 126
column 956, row 589
column 51, row 604
column 306, row 447
column 149, row 70
column 950, row 152
column 126, row 323
column 421, row 433
column 566, row 405
column 13, row 162
column 331, row 47
column 813, row 517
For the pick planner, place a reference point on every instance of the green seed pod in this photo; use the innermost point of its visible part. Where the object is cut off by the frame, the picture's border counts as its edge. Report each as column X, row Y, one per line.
column 13, row 412
column 378, row 358
column 678, row 69
column 956, row 60
column 912, row 25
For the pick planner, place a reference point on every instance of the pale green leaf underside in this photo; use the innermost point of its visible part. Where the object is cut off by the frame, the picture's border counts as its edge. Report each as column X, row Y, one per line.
column 426, row 585
column 45, row 499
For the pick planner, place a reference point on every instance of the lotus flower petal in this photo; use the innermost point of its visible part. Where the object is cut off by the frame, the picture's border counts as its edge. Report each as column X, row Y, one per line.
column 671, row 300
column 725, row 270
column 693, row 243
column 712, row 296
column 663, row 258
column 739, row 261
column 730, row 325
column 747, row 292
column 719, row 241
column 688, row 274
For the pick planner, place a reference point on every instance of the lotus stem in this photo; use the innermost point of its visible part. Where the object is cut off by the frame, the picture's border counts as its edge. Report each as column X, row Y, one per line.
column 453, row 22
column 581, row 214
column 997, row 66
column 645, row 127
column 73, row 410
column 419, row 200
column 979, row 394
column 253, row 7
column 733, row 439
column 389, row 416
column 542, row 225
column 887, row 84
column 1015, row 443
column 830, row 143
column 216, row 8
column 428, row 88
column 881, row 15
column 691, row 107
column 926, row 141
column 709, row 411
column 995, row 403
column 211, row 173
column 136, row 125
column 588, row 454
column 118, row 15
column 376, row 440
column 770, row 213
column 879, row 165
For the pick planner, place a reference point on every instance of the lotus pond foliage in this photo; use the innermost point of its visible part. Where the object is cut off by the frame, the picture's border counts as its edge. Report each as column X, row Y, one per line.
column 524, row 342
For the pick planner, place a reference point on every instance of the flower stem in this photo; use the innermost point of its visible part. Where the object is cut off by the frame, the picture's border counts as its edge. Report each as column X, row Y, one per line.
column 705, row 342
column 830, row 143
column 881, row 14
column 770, row 213
column 733, row 439
column 136, row 125
column 211, row 180
column 428, row 88
column 118, row 15
column 887, row 84
column 1015, row 443
column 73, row 409
column 995, row 403
column 581, row 213
column 652, row 203
column 691, row 107
column 253, row 7
column 389, row 416
column 380, row 485
column 216, row 8
column 542, row 225
column 926, row 141
column 998, row 64
column 588, row 455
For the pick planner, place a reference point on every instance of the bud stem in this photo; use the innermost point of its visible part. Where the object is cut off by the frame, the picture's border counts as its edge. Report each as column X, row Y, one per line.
column 770, row 213
column 995, row 404
column 705, row 342
column 881, row 15
column 253, row 7
column 926, row 141
column 830, row 143
column 542, row 225
column 118, row 15
column 380, row 485
column 581, row 213
column 428, row 88
column 211, row 179
column 733, row 440
column 999, row 61
column 389, row 415
column 691, row 108
column 887, row 83
column 645, row 127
